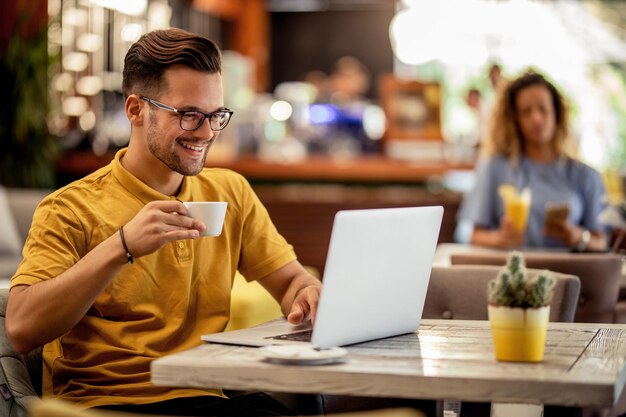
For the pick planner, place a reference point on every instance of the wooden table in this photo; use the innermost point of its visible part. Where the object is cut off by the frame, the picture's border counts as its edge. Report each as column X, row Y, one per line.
column 584, row 365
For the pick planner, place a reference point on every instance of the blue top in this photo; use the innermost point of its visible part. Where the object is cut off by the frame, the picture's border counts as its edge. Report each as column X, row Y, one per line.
column 564, row 181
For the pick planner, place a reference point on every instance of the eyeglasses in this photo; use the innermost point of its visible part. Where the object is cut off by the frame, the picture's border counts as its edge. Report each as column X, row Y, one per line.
column 192, row 120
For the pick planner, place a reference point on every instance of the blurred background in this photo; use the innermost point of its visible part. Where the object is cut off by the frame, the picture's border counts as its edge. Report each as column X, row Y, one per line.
column 338, row 103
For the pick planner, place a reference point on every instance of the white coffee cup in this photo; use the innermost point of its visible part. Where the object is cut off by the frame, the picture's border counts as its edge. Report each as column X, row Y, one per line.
column 211, row 213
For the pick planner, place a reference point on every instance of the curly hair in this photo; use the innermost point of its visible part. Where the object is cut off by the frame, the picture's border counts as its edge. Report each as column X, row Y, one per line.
column 505, row 135
column 149, row 57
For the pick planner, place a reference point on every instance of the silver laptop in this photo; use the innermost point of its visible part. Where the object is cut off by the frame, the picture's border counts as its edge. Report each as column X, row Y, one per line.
column 375, row 281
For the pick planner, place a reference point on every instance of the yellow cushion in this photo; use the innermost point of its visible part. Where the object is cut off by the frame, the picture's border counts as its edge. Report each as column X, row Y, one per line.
column 250, row 305
column 51, row 407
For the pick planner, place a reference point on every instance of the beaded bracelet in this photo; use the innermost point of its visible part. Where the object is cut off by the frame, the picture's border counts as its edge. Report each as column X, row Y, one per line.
column 128, row 254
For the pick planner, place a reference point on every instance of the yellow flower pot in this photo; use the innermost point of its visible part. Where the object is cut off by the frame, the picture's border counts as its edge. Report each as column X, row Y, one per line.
column 519, row 334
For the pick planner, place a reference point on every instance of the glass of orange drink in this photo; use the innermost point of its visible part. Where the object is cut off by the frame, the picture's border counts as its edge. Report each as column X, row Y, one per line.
column 516, row 205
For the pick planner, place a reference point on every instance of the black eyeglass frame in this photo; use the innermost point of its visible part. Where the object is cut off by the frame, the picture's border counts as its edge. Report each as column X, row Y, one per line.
column 182, row 113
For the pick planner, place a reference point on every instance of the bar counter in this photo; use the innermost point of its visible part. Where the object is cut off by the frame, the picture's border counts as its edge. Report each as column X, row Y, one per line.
column 373, row 169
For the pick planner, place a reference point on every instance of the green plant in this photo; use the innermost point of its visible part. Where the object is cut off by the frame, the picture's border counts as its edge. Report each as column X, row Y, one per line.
column 512, row 288
column 28, row 148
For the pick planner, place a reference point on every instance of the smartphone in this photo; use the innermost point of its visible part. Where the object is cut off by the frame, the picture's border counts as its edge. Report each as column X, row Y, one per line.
column 556, row 213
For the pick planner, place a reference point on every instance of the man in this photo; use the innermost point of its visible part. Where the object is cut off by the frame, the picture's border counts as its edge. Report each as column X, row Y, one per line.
column 114, row 272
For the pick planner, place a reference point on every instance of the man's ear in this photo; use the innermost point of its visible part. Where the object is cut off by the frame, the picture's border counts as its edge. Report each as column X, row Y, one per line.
column 133, row 108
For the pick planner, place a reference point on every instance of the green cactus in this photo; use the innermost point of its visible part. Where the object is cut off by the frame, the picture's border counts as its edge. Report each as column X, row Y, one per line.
column 512, row 288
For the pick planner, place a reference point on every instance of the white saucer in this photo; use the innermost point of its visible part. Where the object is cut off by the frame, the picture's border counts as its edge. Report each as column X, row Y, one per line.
column 302, row 355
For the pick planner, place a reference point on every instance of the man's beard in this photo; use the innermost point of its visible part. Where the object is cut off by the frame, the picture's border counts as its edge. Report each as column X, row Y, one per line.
column 169, row 156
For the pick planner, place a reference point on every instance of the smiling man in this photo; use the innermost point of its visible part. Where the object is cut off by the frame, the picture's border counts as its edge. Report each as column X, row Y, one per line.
column 143, row 284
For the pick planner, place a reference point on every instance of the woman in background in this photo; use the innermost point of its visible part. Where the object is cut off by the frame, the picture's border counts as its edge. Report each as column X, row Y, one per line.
column 527, row 149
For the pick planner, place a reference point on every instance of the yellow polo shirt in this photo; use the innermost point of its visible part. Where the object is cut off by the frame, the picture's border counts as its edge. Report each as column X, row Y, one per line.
column 158, row 305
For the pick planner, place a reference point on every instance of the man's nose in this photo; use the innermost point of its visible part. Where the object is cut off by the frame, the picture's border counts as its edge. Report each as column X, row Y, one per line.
column 204, row 130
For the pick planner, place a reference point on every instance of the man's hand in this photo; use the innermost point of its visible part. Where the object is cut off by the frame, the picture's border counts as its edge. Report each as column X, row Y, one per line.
column 304, row 305
column 158, row 223
column 297, row 291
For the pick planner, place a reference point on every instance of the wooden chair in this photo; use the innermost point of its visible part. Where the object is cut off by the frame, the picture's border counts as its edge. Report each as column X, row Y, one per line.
column 600, row 277
column 460, row 292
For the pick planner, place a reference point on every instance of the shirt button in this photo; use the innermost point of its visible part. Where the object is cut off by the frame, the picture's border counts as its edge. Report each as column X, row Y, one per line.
column 181, row 245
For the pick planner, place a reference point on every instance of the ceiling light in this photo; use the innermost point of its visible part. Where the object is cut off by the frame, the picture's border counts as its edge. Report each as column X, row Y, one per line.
column 87, row 121
column 89, row 42
column 63, row 82
column 75, row 17
column 131, row 32
column 89, row 85
column 75, row 61
column 75, row 106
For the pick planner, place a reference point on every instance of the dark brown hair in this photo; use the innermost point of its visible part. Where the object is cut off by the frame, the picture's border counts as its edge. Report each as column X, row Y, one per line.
column 149, row 57
column 506, row 138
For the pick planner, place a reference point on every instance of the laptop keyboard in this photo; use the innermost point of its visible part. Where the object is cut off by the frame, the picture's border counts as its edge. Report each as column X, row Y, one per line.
column 304, row 336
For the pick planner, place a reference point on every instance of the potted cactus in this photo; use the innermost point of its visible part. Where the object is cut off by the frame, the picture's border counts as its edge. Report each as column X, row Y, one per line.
column 519, row 311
